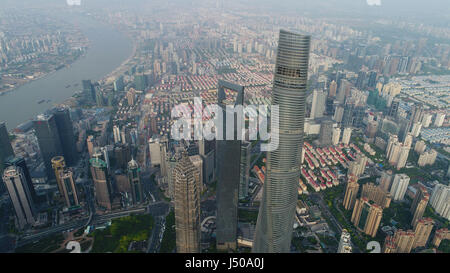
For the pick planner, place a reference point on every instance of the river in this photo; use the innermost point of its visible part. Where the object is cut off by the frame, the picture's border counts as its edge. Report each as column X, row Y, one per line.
column 108, row 49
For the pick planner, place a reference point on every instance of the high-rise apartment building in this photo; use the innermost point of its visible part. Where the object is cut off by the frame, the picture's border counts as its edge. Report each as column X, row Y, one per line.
column 399, row 186
column 440, row 200
column 326, row 133
column 422, row 232
column 376, row 194
column 276, row 214
column 318, row 104
column 336, row 136
column 351, row 192
column 187, row 206
column 386, row 179
column 358, row 166
column 366, row 216
column 346, row 135
column 419, row 205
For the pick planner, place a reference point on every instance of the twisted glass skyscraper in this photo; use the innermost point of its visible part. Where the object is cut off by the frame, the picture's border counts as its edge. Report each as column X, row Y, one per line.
column 276, row 214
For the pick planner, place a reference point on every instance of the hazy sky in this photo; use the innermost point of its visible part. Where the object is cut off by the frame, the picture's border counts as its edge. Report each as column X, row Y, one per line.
column 435, row 11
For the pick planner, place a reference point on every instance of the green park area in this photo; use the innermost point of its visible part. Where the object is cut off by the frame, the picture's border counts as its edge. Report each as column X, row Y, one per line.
column 117, row 237
column 168, row 242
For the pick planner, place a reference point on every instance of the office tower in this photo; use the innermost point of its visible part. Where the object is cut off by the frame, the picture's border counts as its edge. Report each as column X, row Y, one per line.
column 439, row 120
column 360, row 80
column 90, row 145
column 420, row 147
column 427, row 158
column 58, row 165
column 326, row 133
column 122, row 154
column 393, row 109
column 49, row 141
column 399, row 186
column 6, row 150
column 385, row 180
column 116, row 134
column 69, row 188
column 198, row 164
column 280, row 192
column 372, row 79
column 20, row 195
column 208, row 154
column 187, row 206
column 118, row 84
column 345, row 244
column 366, row 216
column 336, row 136
column 403, row 157
column 135, row 182
column 66, row 134
column 318, row 104
column 102, row 184
column 358, row 166
column 346, row 135
column 376, row 194
column 20, row 162
column 422, row 232
column 333, row 88
column 228, row 166
column 351, row 192
column 88, row 90
column 246, row 153
column 140, row 82
column 440, row 200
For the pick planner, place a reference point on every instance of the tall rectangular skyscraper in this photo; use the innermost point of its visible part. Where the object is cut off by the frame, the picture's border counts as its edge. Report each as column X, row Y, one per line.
column 228, row 166
column 67, row 136
column 276, row 214
column 49, row 141
column 20, row 196
column 6, row 150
